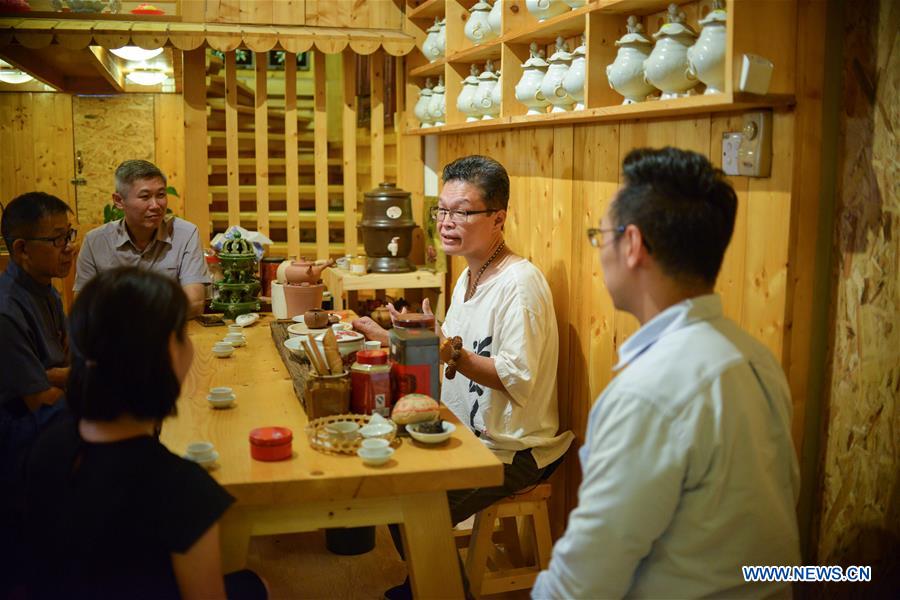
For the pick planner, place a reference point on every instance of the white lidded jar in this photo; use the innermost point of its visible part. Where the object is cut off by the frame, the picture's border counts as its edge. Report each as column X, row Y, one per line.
column 437, row 107
column 573, row 82
column 487, row 81
column 626, row 73
column 552, row 84
column 430, row 47
column 667, row 66
column 495, row 17
column 421, row 107
column 497, row 92
column 478, row 28
column 442, row 36
column 707, row 56
column 528, row 88
column 465, row 100
column 546, row 9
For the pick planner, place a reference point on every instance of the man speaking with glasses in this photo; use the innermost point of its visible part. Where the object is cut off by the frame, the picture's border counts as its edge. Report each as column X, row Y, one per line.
column 33, row 353
column 504, row 385
column 688, row 466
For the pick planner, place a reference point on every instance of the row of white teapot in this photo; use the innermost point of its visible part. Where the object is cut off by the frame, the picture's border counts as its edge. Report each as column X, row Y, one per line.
column 431, row 107
column 557, row 82
column 676, row 64
column 435, row 44
column 484, row 22
column 480, row 95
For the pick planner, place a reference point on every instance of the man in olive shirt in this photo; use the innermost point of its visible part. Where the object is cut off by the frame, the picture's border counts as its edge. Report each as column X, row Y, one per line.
column 33, row 349
column 146, row 237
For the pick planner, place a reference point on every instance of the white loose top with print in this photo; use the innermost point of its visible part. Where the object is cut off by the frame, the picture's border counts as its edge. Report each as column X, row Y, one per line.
column 511, row 320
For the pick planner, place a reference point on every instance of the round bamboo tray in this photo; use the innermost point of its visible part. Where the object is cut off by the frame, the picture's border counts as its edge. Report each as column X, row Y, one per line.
column 322, row 441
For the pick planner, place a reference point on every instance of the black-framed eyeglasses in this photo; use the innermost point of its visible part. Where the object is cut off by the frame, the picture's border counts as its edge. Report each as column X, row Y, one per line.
column 438, row 214
column 595, row 235
column 59, row 241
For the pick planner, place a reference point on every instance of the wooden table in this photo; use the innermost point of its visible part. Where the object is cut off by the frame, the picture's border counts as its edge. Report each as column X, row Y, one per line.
column 314, row 490
column 341, row 281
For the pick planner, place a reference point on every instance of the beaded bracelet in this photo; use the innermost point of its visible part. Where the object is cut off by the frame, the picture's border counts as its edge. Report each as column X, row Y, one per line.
column 456, row 351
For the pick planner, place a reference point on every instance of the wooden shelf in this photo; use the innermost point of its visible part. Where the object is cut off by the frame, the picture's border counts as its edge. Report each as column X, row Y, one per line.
column 652, row 108
column 426, row 70
column 636, row 7
column 480, row 53
column 429, row 9
column 568, row 24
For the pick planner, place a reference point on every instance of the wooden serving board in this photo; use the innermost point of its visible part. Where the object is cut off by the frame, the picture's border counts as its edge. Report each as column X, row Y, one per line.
column 298, row 369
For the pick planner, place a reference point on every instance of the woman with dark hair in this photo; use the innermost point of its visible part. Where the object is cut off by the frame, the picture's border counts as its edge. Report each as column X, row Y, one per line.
column 111, row 512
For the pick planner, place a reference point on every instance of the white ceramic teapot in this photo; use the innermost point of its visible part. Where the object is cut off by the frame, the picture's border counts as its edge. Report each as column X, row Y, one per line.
column 430, row 47
column 487, row 81
column 626, row 73
column 667, row 67
column 545, row 9
column 465, row 102
column 573, row 82
column 421, row 107
column 441, row 36
column 497, row 93
column 478, row 29
column 707, row 56
column 495, row 17
column 528, row 89
column 437, row 107
column 552, row 84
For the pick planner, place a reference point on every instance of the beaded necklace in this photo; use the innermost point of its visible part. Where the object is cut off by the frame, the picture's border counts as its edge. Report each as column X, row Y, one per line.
column 482, row 269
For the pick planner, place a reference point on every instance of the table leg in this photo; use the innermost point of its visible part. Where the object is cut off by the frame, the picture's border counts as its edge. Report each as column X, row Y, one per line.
column 430, row 549
column 234, row 539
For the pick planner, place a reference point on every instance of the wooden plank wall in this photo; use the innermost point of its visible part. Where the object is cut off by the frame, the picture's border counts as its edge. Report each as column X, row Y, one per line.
column 562, row 180
column 375, row 14
column 859, row 521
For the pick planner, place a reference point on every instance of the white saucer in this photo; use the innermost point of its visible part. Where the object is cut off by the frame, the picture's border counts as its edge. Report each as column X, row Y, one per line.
column 297, row 319
column 225, row 354
column 247, row 319
column 226, row 402
column 205, row 463
column 431, row 438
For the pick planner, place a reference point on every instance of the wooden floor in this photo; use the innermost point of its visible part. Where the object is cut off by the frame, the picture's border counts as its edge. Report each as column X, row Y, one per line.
column 300, row 566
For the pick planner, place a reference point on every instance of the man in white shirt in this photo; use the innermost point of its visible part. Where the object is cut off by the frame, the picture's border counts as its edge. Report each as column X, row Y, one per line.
column 688, row 467
column 504, row 388
column 146, row 237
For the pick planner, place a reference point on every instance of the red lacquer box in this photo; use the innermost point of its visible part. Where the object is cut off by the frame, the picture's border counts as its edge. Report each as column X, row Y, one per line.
column 271, row 443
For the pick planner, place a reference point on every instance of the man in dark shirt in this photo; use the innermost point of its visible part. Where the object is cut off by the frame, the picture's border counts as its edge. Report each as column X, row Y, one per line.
column 33, row 353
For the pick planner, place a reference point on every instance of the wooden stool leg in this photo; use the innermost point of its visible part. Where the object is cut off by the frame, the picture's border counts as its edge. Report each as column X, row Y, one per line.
column 543, row 540
column 526, row 540
column 479, row 543
column 511, row 542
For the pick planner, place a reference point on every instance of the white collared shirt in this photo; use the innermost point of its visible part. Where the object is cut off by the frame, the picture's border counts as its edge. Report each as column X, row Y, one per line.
column 688, row 468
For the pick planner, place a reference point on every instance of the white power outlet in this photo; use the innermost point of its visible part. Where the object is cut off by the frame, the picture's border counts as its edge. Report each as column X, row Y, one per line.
column 731, row 143
column 755, row 153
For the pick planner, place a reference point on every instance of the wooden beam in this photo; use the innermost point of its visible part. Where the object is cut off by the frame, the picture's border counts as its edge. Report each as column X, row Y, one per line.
column 196, row 192
column 349, row 134
column 262, row 144
column 292, row 175
column 28, row 61
column 320, row 126
column 108, row 68
column 231, row 139
column 376, row 78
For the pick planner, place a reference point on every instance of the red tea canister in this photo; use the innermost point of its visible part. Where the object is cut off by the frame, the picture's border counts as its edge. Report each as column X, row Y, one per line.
column 370, row 380
column 271, row 443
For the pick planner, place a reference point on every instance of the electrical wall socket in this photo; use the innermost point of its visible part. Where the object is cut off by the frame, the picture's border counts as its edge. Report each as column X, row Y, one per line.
column 731, row 143
column 755, row 152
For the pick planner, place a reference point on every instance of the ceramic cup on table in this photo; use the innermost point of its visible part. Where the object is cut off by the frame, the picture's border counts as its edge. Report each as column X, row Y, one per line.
column 342, row 431
column 222, row 349
column 203, row 453
column 295, row 345
column 236, row 329
column 221, row 397
column 375, row 456
column 375, row 443
column 235, row 339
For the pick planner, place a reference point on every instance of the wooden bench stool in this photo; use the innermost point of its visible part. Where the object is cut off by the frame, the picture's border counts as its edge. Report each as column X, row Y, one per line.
column 509, row 544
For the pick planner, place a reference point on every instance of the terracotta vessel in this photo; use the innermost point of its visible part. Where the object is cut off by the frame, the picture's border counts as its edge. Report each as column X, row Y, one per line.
column 302, row 271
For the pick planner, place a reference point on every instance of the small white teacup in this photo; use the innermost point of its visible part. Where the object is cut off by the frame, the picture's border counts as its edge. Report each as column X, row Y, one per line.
column 200, row 451
column 236, row 329
column 375, row 443
column 342, row 431
column 221, row 393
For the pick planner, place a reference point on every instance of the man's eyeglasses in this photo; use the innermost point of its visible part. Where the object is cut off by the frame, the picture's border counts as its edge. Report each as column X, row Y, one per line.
column 595, row 235
column 59, row 241
column 457, row 216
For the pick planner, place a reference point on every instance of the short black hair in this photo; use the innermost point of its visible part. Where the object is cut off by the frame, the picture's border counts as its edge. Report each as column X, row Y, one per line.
column 23, row 214
column 132, row 170
column 684, row 207
column 119, row 334
column 486, row 174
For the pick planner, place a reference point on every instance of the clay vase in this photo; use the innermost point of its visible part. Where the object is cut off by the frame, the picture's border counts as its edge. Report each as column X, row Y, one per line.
column 300, row 298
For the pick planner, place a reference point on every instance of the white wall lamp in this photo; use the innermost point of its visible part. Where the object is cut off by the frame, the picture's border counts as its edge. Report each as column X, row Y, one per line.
column 146, row 77
column 10, row 74
column 136, row 53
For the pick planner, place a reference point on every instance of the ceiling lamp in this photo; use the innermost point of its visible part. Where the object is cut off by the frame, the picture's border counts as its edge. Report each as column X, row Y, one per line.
column 9, row 75
column 135, row 53
column 146, row 77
